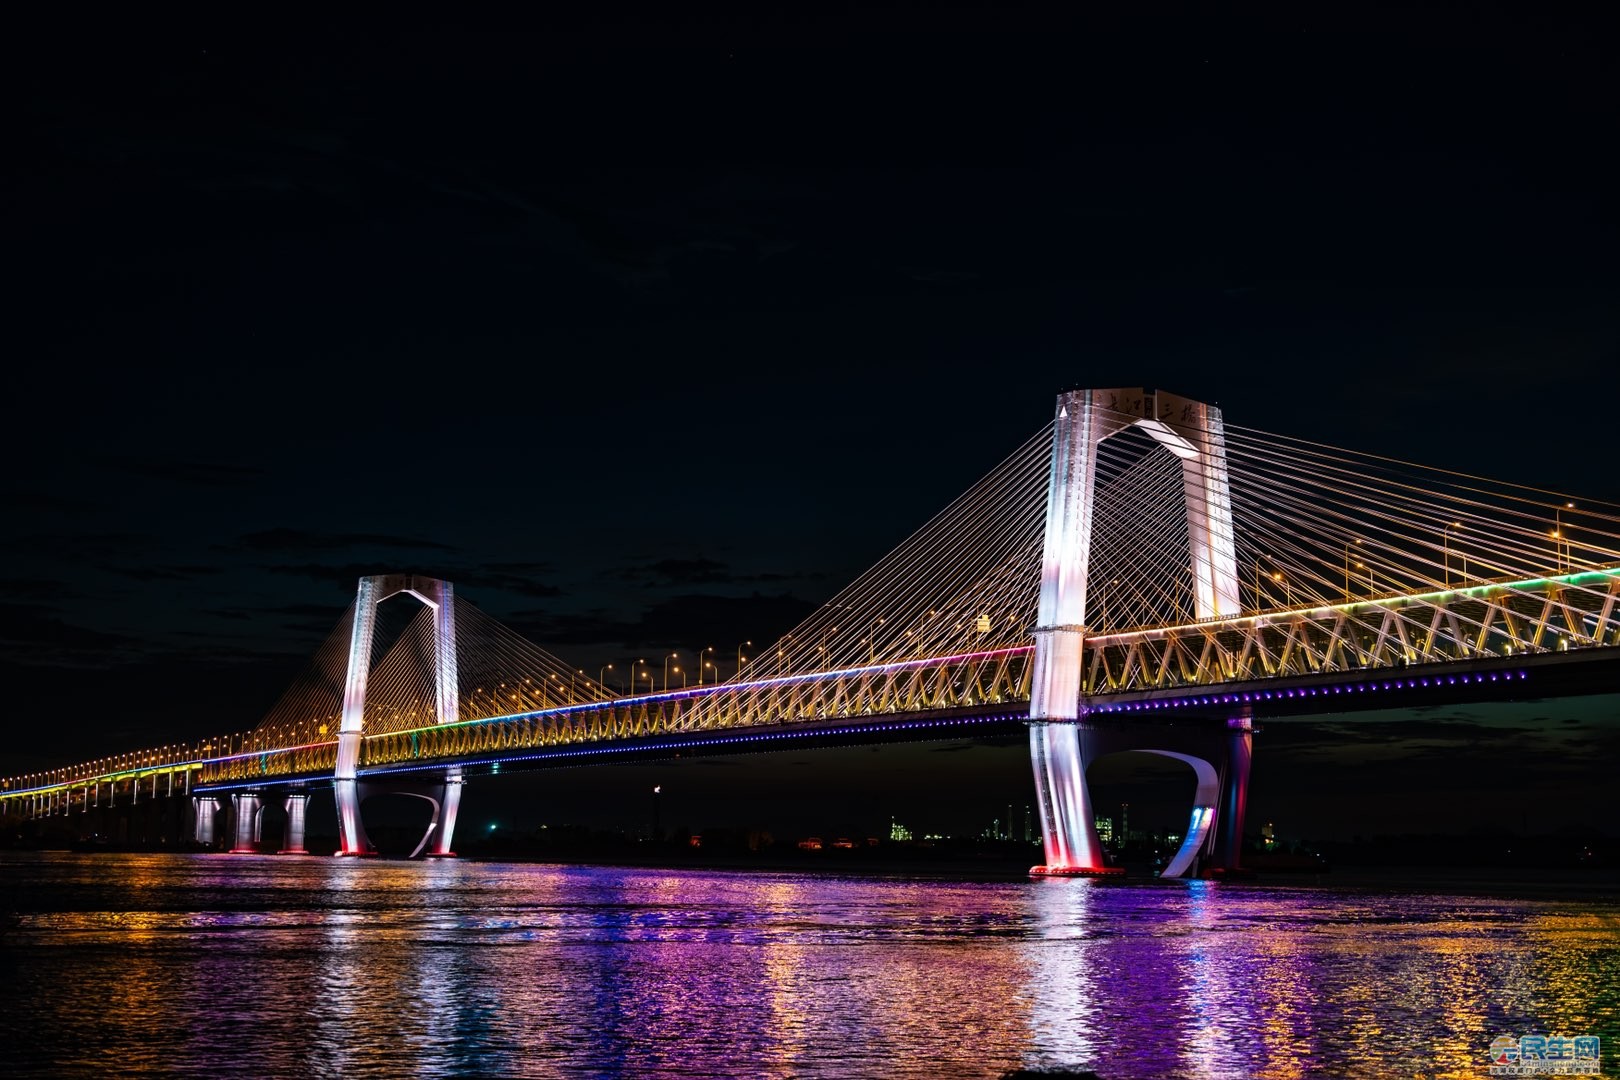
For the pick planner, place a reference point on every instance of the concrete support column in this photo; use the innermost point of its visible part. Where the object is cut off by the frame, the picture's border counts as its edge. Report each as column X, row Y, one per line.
column 207, row 810
column 293, row 842
column 1227, row 852
column 445, row 832
column 247, row 806
column 1068, row 823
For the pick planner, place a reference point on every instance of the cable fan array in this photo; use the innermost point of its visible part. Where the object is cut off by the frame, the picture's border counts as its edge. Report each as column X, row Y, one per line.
column 1317, row 525
column 1310, row 526
column 966, row 581
column 498, row 673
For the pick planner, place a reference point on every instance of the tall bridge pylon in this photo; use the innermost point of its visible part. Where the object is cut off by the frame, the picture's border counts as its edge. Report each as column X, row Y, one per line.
column 1061, row 744
column 439, row 596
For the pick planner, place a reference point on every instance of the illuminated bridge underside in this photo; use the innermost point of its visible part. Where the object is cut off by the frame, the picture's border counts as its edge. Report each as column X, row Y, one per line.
column 1432, row 632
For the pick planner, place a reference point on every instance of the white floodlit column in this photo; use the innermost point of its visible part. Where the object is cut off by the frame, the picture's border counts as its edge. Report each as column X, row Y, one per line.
column 352, row 839
column 207, row 810
column 293, row 843
column 1067, row 826
column 247, row 806
column 444, row 651
column 448, row 808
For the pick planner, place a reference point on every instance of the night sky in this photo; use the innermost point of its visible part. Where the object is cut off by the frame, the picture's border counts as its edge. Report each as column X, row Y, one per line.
column 652, row 335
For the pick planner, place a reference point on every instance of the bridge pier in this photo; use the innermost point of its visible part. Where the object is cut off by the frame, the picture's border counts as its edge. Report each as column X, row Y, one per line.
column 1068, row 823
column 1217, row 751
column 206, row 809
column 443, row 797
column 248, row 807
column 292, row 843
column 1226, row 855
column 443, row 829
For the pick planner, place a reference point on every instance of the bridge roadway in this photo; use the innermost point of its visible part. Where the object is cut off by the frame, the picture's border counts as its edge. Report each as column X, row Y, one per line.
column 1558, row 636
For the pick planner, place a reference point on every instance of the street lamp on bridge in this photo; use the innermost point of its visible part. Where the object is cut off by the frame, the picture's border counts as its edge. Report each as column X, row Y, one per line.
column 1347, row 544
column 601, row 676
column 1446, row 546
column 741, row 659
column 667, row 659
column 1563, row 556
column 1288, row 588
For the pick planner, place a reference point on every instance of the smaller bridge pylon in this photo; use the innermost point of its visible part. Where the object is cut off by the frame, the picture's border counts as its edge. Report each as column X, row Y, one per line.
column 438, row 595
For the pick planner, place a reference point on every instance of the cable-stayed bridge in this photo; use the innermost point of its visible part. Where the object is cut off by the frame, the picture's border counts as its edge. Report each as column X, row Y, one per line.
column 1137, row 577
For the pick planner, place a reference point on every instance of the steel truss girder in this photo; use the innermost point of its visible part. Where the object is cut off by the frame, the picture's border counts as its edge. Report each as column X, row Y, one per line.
column 1578, row 611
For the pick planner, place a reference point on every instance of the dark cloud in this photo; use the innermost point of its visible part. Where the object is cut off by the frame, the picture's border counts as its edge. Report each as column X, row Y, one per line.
column 36, row 637
column 693, row 621
column 702, row 571
column 211, row 474
column 36, row 589
column 310, row 611
column 307, row 543
column 159, row 573
column 506, row 579
column 347, row 575
column 87, row 548
column 35, row 502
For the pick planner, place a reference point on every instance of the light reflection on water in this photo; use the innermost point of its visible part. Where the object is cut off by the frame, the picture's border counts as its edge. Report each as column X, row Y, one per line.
column 205, row 965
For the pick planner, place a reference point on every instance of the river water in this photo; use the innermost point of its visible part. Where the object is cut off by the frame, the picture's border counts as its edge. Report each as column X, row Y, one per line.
column 214, row 965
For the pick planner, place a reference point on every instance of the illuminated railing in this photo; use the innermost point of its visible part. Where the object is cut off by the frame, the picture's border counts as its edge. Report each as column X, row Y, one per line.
column 1497, row 619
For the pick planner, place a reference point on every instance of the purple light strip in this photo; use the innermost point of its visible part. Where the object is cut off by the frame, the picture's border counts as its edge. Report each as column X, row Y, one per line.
column 1310, row 691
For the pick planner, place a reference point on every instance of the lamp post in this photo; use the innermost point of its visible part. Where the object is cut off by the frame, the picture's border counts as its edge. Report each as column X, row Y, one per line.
column 643, row 663
column 1446, row 545
column 601, row 676
column 667, row 659
column 741, row 659
column 1347, row 544
column 871, row 641
column 702, row 663
column 1561, row 550
column 1102, row 604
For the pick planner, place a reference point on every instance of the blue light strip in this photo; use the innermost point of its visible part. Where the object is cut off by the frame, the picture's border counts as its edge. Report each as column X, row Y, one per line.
column 1250, row 697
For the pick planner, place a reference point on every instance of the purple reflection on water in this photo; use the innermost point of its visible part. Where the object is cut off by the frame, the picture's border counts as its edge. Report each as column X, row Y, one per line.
column 201, row 966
